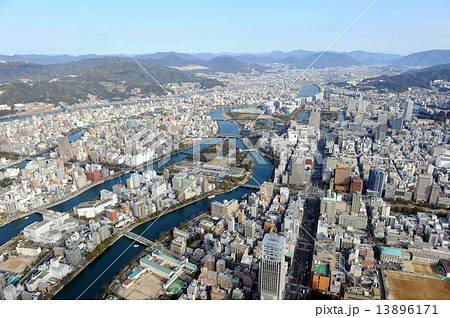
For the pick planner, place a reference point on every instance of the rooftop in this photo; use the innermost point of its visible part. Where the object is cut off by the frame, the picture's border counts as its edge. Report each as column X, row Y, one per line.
column 391, row 251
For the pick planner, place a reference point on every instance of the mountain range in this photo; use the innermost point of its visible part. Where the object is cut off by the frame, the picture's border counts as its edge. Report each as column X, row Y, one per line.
column 416, row 78
column 72, row 78
column 108, row 78
column 426, row 58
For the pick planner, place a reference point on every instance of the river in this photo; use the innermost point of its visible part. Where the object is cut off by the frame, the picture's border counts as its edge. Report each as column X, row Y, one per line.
column 109, row 263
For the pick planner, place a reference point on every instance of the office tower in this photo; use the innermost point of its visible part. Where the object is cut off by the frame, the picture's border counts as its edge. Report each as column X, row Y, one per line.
column 166, row 174
column 356, row 184
column 362, row 107
column 2, row 284
column 434, row 194
column 342, row 177
column 314, row 118
column 73, row 256
column 210, row 262
column 63, row 147
column 385, row 211
column 382, row 117
column 423, row 188
column 407, row 114
column 381, row 132
column 231, row 224
column 376, row 182
column 220, row 266
column 397, row 123
column 356, row 202
column 249, row 227
column 300, row 170
column 10, row 292
column 140, row 209
column 272, row 272
column 328, row 205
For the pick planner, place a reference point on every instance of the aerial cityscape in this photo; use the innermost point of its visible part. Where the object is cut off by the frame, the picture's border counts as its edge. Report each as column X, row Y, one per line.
column 291, row 174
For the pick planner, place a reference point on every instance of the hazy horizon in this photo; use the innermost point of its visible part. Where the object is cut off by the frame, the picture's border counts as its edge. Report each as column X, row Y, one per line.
column 53, row 27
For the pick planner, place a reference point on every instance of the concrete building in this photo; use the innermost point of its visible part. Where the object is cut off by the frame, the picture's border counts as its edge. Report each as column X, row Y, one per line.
column 178, row 246
column 328, row 205
column 272, row 273
column 219, row 209
column 73, row 256
column 375, row 183
column 407, row 113
column 342, row 177
column 423, row 188
column 314, row 118
column 63, row 147
column 356, row 202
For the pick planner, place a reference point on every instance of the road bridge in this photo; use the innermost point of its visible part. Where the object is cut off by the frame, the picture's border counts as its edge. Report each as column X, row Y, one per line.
column 140, row 239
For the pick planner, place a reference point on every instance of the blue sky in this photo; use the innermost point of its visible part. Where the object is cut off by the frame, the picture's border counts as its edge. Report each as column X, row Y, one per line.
column 61, row 26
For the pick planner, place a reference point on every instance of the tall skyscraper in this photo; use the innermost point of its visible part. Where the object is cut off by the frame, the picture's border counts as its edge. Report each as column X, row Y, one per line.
column 63, row 147
column 407, row 114
column 356, row 184
column 342, row 177
column 397, row 123
column 314, row 118
column 356, row 202
column 272, row 270
column 423, row 188
column 376, row 182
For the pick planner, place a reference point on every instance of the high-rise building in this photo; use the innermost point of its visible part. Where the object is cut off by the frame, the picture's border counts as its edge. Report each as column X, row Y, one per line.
column 356, row 202
column 397, row 124
column 356, row 184
column 376, row 182
column 205, row 186
column 314, row 118
column 2, row 284
column 10, row 292
column 423, row 188
column 63, row 147
column 272, row 272
column 73, row 256
column 231, row 224
column 139, row 209
column 382, row 117
column 225, row 208
column 342, row 177
column 434, row 194
column 407, row 114
column 249, row 227
column 328, row 205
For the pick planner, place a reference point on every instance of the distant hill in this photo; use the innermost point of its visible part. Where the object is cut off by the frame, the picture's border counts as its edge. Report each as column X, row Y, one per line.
column 47, row 59
column 15, row 71
column 401, row 83
column 107, row 78
column 326, row 60
column 225, row 64
column 172, row 60
column 426, row 58
column 228, row 64
column 372, row 58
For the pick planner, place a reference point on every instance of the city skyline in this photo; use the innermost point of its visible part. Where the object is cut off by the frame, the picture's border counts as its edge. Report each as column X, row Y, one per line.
column 64, row 28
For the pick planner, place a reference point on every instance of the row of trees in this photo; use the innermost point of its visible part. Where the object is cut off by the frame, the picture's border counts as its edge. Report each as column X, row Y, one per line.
column 101, row 247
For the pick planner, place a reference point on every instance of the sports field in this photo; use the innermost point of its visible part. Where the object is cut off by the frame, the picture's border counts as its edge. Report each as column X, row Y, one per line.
column 425, row 269
column 408, row 286
column 145, row 287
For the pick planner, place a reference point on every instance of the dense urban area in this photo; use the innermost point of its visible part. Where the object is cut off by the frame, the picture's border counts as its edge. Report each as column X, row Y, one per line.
column 277, row 182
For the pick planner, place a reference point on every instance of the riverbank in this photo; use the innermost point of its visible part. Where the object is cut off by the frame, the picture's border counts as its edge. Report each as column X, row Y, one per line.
column 113, row 176
column 134, row 225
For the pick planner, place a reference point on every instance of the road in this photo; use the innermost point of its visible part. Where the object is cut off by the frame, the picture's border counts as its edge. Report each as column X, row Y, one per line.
column 298, row 283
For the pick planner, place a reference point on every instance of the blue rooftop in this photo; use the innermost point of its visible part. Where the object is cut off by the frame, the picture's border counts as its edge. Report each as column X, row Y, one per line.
column 391, row 251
